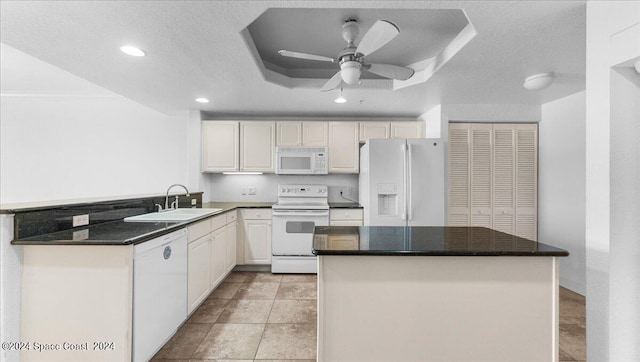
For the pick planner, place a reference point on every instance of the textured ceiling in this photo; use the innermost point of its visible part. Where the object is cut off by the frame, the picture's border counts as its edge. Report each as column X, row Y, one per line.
column 196, row 48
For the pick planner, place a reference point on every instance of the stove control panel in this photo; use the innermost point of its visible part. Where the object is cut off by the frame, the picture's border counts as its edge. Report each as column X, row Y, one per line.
column 303, row 190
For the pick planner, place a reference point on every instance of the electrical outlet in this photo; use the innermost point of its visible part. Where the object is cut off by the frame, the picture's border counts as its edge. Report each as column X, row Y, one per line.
column 194, row 202
column 81, row 235
column 252, row 190
column 346, row 191
column 81, row 220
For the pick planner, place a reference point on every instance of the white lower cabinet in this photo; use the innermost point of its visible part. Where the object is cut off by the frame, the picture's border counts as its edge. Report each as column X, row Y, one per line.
column 211, row 243
column 218, row 256
column 345, row 217
column 199, row 261
column 256, row 235
column 232, row 232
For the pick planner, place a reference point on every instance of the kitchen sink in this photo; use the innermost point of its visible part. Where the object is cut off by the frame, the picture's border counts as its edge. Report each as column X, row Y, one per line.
column 172, row 215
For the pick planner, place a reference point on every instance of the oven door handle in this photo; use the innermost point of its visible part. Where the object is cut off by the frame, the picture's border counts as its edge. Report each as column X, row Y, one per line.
column 308, row 213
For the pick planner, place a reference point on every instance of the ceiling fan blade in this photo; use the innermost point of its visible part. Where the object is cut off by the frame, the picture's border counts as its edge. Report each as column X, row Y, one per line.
column 286, row 53
column 390, row 71
column 378, row 35
column 333, row 83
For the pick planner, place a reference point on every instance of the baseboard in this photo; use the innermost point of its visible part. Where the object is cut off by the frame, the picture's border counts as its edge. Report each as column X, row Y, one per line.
column 253, row 268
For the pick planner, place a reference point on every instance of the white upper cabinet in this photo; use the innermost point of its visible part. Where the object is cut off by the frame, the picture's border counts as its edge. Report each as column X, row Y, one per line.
column 369, row 130
column 315, row 134
column 344, row 148
column 407, row 129
column 220, row 146
column 289, row 134
column 257, row 146
column 305, row 134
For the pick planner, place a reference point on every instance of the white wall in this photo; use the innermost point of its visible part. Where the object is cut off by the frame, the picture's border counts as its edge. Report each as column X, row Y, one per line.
column 229, row 187
column 611, row 220
column 68, row 145
column 624, row 271
column 561, row 185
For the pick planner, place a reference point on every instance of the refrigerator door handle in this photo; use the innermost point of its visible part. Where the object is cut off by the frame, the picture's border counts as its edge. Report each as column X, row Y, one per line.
column 404, row 175
column 410, row 182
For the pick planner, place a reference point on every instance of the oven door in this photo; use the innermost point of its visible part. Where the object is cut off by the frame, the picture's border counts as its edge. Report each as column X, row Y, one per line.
column 292, row 231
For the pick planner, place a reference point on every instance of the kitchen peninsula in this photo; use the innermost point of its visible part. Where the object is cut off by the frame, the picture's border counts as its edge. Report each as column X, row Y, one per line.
column 435, row 294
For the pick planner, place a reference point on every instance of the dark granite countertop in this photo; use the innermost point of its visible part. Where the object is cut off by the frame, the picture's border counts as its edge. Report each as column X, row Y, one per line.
column 345, row 205
column 120, row 232
column 425, row 241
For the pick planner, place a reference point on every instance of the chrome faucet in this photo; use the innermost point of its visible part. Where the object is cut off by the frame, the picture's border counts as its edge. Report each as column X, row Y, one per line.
column 166, row 200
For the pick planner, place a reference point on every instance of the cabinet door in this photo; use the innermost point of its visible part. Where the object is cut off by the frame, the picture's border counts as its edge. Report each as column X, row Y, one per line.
column 289, row 134
column 503, row 177
column 526, row 193
column 481, row 182
column 232, row 230
column 344, row 148
column 220, row 146
column 198, row 274
column 369, row 130
column 407, row 129
column 218, row 256
column 257, row 146
column 257, row 242
column 315, row 134
column 459, row 173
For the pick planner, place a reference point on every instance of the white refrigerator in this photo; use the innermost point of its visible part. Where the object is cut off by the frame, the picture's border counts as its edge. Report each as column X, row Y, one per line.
column 402, row 182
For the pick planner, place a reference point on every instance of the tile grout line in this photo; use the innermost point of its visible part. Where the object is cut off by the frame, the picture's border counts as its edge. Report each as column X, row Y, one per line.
column 267, row 322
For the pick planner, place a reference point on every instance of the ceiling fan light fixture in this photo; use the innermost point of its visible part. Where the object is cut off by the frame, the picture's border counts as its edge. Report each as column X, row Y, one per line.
column 350, row 71
column 341, row 99
column 538, row 81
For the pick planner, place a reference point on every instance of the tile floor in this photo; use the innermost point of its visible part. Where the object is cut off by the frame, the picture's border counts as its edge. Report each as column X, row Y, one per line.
column 256, row 316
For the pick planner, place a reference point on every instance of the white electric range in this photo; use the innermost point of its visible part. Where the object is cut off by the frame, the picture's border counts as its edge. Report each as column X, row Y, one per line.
column 299, row 210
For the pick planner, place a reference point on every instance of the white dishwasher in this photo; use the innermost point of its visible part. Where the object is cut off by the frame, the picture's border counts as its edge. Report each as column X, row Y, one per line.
column 159, row 292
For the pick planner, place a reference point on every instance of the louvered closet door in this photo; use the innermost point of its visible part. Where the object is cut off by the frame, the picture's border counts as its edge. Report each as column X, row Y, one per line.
column 526, row 180
column 481, row 172
column 459, row 173
column 503, row 177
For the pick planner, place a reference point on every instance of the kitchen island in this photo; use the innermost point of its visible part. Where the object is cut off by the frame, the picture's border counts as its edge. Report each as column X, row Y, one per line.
column 435, row 294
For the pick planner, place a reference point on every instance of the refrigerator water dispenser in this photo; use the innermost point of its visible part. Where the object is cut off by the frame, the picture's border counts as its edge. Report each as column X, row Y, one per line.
column 388, row 199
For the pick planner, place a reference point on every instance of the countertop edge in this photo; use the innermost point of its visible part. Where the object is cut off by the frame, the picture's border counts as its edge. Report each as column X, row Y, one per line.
column 435, row 253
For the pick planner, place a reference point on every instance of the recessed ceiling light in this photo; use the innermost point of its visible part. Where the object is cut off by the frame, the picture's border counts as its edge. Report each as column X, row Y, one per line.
column 133, row 51
column 202, row 100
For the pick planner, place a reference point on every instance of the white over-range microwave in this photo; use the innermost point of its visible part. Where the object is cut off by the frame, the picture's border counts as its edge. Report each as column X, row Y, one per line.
column 302, row 160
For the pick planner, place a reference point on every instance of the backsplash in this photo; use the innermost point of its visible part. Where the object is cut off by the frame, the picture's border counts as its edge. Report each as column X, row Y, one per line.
column 52, row 218
column 230, row 187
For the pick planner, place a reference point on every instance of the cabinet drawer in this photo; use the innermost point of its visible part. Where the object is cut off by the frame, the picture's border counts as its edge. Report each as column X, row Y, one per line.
column 345, row 214
column 218, row 221
column 256, row 214
column 345, row 223
column 198, row 230
column 231, row 216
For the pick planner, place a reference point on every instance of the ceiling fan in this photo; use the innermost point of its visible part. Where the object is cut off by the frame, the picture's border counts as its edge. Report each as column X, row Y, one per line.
column 352, row 58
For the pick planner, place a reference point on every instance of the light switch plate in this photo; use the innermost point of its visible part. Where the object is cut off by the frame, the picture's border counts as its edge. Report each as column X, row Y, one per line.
column 194, row 202
column 252, row 190
column 81, row 220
